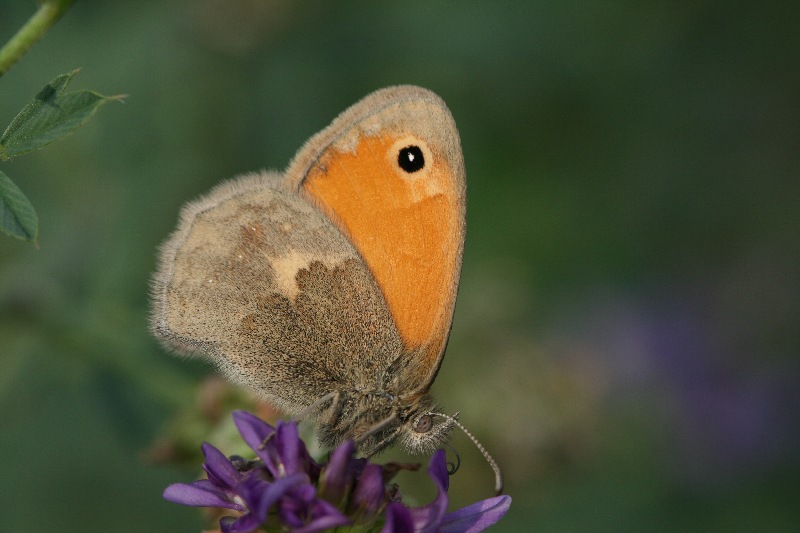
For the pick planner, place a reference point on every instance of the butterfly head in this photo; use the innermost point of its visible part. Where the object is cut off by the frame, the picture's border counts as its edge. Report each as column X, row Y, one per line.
column 422, row 429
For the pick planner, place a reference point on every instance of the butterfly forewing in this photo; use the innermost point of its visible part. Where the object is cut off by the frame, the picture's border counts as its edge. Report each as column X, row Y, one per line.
column 389, row 172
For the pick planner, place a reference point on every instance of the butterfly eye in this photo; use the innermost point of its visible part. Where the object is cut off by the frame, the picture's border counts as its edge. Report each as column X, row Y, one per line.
column 423, row 424
column 411, row 159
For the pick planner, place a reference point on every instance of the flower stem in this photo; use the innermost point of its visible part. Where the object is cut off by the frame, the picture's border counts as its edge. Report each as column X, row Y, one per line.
column 48, row 14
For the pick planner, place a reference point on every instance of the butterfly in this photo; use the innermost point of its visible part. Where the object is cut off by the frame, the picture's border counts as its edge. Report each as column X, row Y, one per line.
column 329, row 289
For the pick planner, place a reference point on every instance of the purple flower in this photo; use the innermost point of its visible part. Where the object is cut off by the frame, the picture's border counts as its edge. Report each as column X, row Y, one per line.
column 286, row 490
column 434, row 517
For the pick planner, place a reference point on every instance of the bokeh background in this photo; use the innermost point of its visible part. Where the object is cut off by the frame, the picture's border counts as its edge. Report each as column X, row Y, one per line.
column 626, row 337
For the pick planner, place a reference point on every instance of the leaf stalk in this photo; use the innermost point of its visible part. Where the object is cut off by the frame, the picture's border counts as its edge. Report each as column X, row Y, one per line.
column 34, row 29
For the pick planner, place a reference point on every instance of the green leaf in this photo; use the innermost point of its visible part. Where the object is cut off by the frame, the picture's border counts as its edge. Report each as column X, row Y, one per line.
column 17, row 216
column 50, row 116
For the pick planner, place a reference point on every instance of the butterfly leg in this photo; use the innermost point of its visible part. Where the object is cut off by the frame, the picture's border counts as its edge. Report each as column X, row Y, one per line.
column 375, row 429
column 382, row 443
column 317, row 405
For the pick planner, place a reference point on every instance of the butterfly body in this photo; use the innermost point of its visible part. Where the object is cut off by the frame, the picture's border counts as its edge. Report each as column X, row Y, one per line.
column 329, row 289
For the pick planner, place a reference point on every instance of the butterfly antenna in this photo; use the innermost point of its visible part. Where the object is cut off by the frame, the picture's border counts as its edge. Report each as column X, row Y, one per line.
column 498, row 476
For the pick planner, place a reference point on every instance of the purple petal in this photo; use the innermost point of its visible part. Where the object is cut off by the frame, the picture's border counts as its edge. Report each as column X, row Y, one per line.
column 256, row 433
column 251, row 491
column 437, row 468
column 302, row 510
column 219, row 469
column 323, row 524
column 304, row 493
column 324, row 517
column 428, row 517
column 244, row 524
column 295, row 507
column 253, row 430
column 398, row 519
column 370, row 492
column 476, row 517
column 338, row 475
column 199, row 494
column 275, row 492
column 292, row 451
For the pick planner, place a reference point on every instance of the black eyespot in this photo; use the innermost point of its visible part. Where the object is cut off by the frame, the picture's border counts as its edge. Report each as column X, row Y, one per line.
column 411, row 159
column 423, row 424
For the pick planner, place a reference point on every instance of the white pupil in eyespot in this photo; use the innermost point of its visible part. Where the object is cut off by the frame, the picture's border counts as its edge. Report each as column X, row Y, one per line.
column 411, row 159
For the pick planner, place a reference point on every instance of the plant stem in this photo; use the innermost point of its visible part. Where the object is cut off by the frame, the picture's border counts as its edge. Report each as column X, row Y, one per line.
column 48, row 14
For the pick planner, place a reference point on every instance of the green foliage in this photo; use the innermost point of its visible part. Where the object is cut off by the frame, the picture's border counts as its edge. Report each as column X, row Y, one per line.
column 17, row 216
column 49, row 116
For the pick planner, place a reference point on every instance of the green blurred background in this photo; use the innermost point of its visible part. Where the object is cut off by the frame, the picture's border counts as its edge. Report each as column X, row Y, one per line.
column 626, row 337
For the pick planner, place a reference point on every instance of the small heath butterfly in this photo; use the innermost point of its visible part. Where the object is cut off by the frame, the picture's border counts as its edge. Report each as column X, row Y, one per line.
column 329, row 289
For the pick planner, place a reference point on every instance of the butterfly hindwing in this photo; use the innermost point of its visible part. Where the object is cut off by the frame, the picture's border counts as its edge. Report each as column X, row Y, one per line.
column 260, row 282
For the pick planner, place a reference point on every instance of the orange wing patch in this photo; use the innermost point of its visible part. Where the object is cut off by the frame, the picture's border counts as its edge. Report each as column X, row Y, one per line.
column 408, row 227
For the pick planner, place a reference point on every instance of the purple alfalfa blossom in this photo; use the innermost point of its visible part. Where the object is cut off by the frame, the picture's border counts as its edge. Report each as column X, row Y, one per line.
column 286, row 490
column 226, row 487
